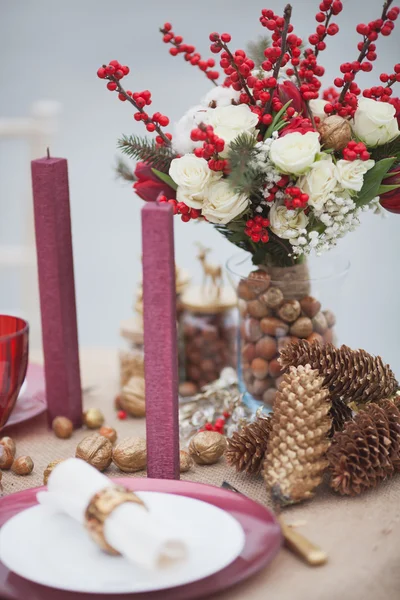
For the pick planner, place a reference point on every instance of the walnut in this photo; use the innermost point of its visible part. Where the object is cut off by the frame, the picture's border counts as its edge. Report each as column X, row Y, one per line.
column 62, row 427
column 132, row 398
column 207, row 447
column 130, row 455
column 95, row 450
column 185, row 461
column 335, row 132
column 22, row 465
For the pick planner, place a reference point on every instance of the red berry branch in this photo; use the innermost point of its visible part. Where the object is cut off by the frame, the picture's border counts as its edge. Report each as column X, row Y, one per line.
column 237, row 67
column 189, row 52
column 370, row 32
column 384, row 93
column 113, row 73
column 328, row 8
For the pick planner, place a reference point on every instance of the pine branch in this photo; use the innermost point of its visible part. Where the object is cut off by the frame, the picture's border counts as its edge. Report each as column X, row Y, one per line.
column 124, row 171
column 255, row 50
column 243, row 178
column 158, row 157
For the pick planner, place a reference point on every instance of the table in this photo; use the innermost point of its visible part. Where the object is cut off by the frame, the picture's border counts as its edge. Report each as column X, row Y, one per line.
column 361, row 535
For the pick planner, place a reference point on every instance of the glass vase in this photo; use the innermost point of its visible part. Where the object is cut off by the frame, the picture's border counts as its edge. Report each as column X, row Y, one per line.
column 279, row 305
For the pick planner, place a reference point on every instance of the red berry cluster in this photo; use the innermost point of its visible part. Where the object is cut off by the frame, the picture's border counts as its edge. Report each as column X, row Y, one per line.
column 212, row 146
column 275, row 24
column 347, row 101
column 327, row 8
column 383, row 94
column 180, row 208
column 330, row 94
column 218, row 426
column 356, row 150
column 296, row 198
column 237, row 67
column 188, row 51
column 283, row 181
column 256, row 229
column 114, row 72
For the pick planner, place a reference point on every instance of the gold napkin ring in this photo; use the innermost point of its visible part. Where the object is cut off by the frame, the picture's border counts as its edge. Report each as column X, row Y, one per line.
column 101, row 506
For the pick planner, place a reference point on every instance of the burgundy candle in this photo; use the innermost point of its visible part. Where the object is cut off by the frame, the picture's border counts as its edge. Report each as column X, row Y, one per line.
column 160, row 343
column 57, row 288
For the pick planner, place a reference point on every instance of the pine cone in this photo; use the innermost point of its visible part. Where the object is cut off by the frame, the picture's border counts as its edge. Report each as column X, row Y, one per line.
column 247, row 447
column 367, row 450
column 295, row 460
column 352, row 375
column 340, row 413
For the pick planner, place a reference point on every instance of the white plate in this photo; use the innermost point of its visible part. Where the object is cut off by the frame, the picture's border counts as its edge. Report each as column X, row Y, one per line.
column 53, row 550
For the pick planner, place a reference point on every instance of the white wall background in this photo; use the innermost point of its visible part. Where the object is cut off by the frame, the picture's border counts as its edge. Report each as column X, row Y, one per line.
column 51, row 50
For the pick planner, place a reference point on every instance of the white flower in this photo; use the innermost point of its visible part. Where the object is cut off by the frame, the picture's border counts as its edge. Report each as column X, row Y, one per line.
column 317, row 108
column 222, row 96
column 319, row 182
column 192, row 176
column 221, row 204
column 350, row 173
column 295, row 152
column 181, row 141
column 230, row 121
column 287, row 224
column 375, row 122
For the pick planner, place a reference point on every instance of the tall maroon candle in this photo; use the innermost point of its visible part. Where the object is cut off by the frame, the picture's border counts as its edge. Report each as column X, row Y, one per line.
column 160, row 344
column 57, row 288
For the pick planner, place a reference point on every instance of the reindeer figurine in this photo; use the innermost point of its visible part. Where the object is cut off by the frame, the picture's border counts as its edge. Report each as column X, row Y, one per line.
column 211, row 272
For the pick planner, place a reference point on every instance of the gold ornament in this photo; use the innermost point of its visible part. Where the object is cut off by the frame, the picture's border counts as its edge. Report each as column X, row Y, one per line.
column 6, row 457
column 96, row 450
column 93, row 418
column 296, row 455
column 132, row 397
column 62, row 427
column 185, row 461
column 207, row 447
column 49, row 469
column 109, row 433
column 130, row 455
column 7, row 441
column 22, row 465
column 335, row 132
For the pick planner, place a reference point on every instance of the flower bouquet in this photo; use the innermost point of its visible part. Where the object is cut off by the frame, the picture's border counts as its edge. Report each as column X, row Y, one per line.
column 278, row 166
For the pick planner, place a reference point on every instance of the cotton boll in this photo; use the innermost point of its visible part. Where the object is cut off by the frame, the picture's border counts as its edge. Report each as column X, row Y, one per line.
column 221, row 96
column 181, row 141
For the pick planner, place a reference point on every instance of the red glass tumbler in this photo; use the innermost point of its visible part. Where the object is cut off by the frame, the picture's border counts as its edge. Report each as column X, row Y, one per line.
column 14, row 352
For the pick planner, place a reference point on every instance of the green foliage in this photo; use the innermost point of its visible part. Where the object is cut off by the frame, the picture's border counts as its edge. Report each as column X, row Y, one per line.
column 243, row 178
column 372, row 181
column 391, row 149
column 255, row 50
column 277, row 122
column 147, row 151
column 124, row 171
column 274, row 253
column 165, row 178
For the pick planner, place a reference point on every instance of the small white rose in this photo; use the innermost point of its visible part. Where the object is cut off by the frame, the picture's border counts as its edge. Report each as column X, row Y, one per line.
column 375, row 122
column 295, row 152
column 319, row 182
column 221, row 204
column 350, row 173
column 287, row 224
column 192, row 176
column 230, row 121
column 317, row 108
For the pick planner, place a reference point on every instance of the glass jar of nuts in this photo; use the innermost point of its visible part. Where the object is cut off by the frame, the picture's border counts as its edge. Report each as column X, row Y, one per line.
column 208, row 328
column 277, row 306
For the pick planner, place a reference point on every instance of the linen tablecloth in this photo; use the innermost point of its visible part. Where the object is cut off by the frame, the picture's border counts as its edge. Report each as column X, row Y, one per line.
column 361, row 535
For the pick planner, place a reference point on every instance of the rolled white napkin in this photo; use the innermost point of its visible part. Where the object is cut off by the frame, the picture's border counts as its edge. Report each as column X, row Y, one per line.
column 130, row 528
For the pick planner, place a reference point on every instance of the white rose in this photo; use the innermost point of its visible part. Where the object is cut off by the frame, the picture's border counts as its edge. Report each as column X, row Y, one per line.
column 286, row 223
column 230, row 121
column 192, row 176
column 375, row 122
column 221, row 204
column 319, row 182
column 350, row 173
column 317, row 108
column 295, row 152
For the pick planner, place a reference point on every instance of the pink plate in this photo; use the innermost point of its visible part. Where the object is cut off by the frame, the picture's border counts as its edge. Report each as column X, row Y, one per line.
column 263, row 540
column 32, row 402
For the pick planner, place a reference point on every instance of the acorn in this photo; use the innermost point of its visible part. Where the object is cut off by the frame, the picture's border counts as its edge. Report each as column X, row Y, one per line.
column 290, row 311
column 335, row 132
column 273, row 297
column 310, row 306
column 22, row 465
column 62, row 427
column 273, row 326
column 266, row 347
column 320, row 324
column 302, row 328
column 259, row 367
column 257, row 309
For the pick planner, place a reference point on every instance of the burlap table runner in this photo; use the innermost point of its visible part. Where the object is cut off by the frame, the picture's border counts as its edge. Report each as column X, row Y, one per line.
column 361, row 535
